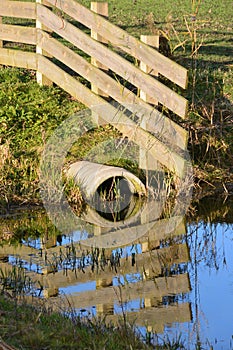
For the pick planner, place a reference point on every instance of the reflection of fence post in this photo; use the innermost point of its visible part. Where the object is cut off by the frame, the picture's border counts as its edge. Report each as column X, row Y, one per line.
column 46, row 270
column 103, row 282
column 101, row 8
column 50, row 292
column 97, row 230
column 150, row 330
column 151, row 272
column 152, row 301
column 49, row 242
column 144, row 157
column 104, row 309
column 42, row 79
column 148, row 245
column 4, row 257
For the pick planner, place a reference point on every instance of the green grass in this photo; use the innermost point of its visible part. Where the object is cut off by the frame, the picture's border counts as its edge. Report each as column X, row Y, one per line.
column 134, row 15
column 36, row 327
column 200, row 38
column 28, row 115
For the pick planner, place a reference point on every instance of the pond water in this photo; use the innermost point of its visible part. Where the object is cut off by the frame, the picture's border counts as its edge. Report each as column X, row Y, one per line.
column 176, row 280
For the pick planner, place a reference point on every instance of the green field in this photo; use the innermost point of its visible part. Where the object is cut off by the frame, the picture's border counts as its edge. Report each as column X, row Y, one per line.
column 213, row 23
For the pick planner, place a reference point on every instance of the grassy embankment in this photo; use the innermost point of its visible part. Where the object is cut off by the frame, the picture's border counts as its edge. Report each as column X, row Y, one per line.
column 199, row 36
column 36, row 328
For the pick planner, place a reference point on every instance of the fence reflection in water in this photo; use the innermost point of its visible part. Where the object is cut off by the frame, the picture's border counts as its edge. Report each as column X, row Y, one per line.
column 149, row 272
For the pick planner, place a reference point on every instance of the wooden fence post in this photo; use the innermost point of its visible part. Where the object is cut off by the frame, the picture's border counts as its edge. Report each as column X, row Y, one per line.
column 153, row 41
column 145, row 160
column 42, row 79
column 1, row 41
column 101, row 8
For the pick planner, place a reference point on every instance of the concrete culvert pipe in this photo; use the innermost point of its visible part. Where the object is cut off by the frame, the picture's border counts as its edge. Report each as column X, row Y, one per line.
column 106, row 181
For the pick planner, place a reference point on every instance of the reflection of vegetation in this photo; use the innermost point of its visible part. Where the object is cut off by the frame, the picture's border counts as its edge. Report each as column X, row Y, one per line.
column 31, row 224
column 214, row 211
column 210, row 243
column 15, row 281
column 203, row 236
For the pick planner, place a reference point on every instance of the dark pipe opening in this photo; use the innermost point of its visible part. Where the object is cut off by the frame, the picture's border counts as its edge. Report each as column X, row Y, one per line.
column 112, row 200
column 114, row 188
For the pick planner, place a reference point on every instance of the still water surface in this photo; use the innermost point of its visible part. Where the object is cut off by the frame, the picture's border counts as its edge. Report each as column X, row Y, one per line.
column 169, row 285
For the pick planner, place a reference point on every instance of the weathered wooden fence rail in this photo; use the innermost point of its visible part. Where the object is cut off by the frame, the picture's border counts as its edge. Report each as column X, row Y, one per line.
column 46, row 50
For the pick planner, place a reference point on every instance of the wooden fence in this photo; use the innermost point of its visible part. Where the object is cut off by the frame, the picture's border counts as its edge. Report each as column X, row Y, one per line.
column 39, row 48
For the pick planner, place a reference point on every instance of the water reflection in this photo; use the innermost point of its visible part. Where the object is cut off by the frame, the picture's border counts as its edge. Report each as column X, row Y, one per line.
column 177, row 278
column 210, row 240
